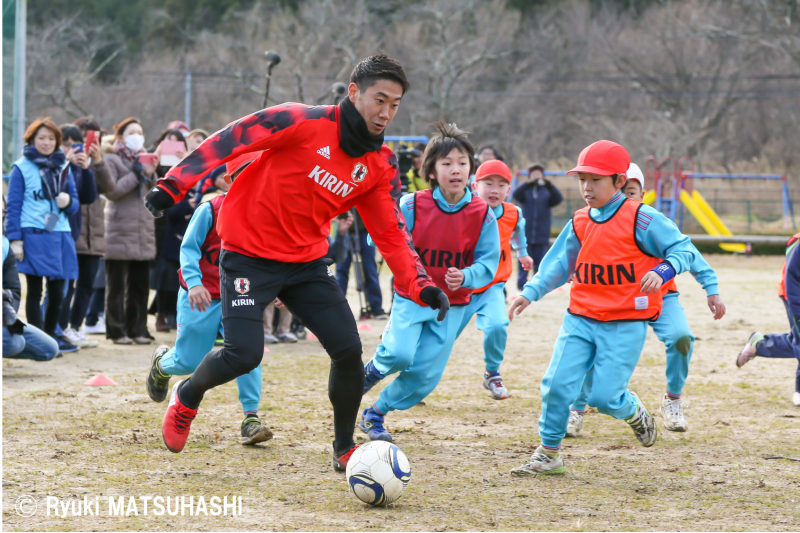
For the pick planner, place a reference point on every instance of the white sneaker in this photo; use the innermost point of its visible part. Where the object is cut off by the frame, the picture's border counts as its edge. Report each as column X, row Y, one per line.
column 672, row 411
column 643, row 424
column 287, row 337
column 270, row 339
column 748, row 353
column 97, row 329
column 83, row 338
column 540, row 463
column 78, row 339
column 575, row 424
column 494, row 384
column 796, row 399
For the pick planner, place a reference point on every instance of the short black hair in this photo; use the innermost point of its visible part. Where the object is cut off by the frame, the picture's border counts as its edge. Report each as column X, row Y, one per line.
column 447, row 137
column 71, row 131
column 378, row 67
column 497, row 154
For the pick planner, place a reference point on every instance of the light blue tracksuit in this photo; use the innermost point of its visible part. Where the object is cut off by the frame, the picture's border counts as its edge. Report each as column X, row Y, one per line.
column 414, row 343
column 197, row 331
column 670, row 328
column 490, row 305
column 611, row 349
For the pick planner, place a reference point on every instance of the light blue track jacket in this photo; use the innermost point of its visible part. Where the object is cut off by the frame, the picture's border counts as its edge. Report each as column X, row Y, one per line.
column 487, row 250
column 193, row 239
column 655, row 234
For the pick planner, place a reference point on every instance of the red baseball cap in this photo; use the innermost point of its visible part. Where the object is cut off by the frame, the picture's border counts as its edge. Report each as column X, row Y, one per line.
column 231, row 167
column 604, row 158
column 493, row 167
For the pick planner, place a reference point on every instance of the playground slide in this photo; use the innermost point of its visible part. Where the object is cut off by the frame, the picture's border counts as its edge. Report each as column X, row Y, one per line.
column 649, row 197
column 709, row 219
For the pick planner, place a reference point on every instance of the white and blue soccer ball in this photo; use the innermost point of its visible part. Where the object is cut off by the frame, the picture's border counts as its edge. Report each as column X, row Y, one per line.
column 378, row 472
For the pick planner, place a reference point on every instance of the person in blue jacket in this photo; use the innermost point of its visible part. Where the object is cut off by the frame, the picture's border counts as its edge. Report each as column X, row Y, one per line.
column 671, row 328
column 20, row 340
column 781, row 345
column 626, row 251
column 41, row 198
column 537, row 197
column 200, row 313
column 455, row 234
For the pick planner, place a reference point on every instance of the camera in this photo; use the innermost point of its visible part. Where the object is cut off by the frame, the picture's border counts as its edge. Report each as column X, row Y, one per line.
column 405, row 155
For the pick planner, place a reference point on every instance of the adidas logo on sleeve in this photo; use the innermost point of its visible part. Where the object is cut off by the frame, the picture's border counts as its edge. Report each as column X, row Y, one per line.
column 325, row 152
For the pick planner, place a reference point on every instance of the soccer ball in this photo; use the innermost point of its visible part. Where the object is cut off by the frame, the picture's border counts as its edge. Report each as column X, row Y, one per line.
column 378, row 472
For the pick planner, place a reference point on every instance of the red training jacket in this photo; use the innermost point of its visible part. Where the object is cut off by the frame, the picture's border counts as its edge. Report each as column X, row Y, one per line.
column 280, row 207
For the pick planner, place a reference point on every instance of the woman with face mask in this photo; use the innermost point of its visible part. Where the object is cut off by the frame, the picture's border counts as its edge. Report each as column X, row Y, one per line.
column 41, row 198
column 130, row 237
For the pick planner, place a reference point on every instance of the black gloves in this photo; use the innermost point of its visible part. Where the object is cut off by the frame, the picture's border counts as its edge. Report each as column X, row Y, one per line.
column 157, row 200
column 10, row 319
column 436, row 299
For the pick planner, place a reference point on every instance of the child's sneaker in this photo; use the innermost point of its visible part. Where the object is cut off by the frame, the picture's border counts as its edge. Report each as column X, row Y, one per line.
column 157, row 382
column 494, row 384
column 796, row 399
column 643, row 424
column 287, row 337
column 371, row 423
column 540, row 463
column 269, row 338
column 749, row 351
column 575, row 424
column 672, row 411
column 371, row 376
column 253, row 431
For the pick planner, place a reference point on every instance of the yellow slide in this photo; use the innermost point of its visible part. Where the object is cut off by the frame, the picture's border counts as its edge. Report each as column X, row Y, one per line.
column 709, row 219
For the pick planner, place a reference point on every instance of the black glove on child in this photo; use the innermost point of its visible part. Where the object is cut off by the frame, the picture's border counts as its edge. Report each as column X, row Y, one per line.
column 436, row 299
column 157, row 200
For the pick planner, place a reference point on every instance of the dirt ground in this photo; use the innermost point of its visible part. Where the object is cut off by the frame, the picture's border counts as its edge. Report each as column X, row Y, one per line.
column 64, row 439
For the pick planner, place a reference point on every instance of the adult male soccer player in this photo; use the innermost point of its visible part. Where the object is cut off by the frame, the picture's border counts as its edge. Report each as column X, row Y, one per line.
column 318, row 162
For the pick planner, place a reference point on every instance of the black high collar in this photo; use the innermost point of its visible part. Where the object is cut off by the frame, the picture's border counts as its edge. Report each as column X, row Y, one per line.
column 354, row 136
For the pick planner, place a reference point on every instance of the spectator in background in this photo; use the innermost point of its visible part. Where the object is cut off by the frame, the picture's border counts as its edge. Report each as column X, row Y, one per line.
column 91, row 240
column 415, row 181
column 372, row 287
column 130, row 237
column 487, row 152
column 537, row 197
column 195, row 138
column 20, row 340
column 41, row 197
column 169, row 233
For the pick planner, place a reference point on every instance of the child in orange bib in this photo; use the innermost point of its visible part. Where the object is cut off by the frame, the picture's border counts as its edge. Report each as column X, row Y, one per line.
column 621, row 253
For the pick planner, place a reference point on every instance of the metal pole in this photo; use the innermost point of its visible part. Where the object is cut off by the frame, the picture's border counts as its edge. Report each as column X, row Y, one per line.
column 187, row 102
column 20, row 34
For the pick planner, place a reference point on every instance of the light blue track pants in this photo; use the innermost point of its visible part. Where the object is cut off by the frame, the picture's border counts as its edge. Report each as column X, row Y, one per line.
column 611, row 349
column 672, row 329
column 490, row 306
column 196, row 335
column 417, row 346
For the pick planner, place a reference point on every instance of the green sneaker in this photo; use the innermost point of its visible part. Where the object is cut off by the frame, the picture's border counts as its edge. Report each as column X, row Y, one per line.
column 157, row 382
column 253, row 431
column 540, row 463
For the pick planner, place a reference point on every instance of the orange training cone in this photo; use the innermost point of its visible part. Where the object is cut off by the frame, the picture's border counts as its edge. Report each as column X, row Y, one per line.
column 364, row 327
column 100, row 380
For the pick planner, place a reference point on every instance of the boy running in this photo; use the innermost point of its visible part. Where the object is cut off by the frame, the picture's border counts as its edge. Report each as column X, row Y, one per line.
column 492, row 182
column 671, row 328
column 621, row 253
column 200, row 311
column 455, row 234
column 782, row 345
column 319, row 161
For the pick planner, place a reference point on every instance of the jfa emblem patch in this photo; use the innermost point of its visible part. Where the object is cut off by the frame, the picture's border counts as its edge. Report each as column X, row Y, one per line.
column 241, row 285
column 640, row 303
column 359, row 172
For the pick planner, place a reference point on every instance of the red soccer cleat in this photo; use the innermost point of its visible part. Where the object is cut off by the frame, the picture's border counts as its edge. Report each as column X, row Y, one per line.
column 177, row 422
column 340, row 463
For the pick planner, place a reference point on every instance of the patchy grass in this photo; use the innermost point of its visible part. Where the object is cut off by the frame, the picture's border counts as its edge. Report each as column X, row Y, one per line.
column 66, row 440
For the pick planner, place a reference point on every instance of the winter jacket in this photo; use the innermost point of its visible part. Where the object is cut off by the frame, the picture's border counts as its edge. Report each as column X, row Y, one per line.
column 536, row 202
column 92, row 237
column 87, row 194
column 130, row 228
column 10, row 275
